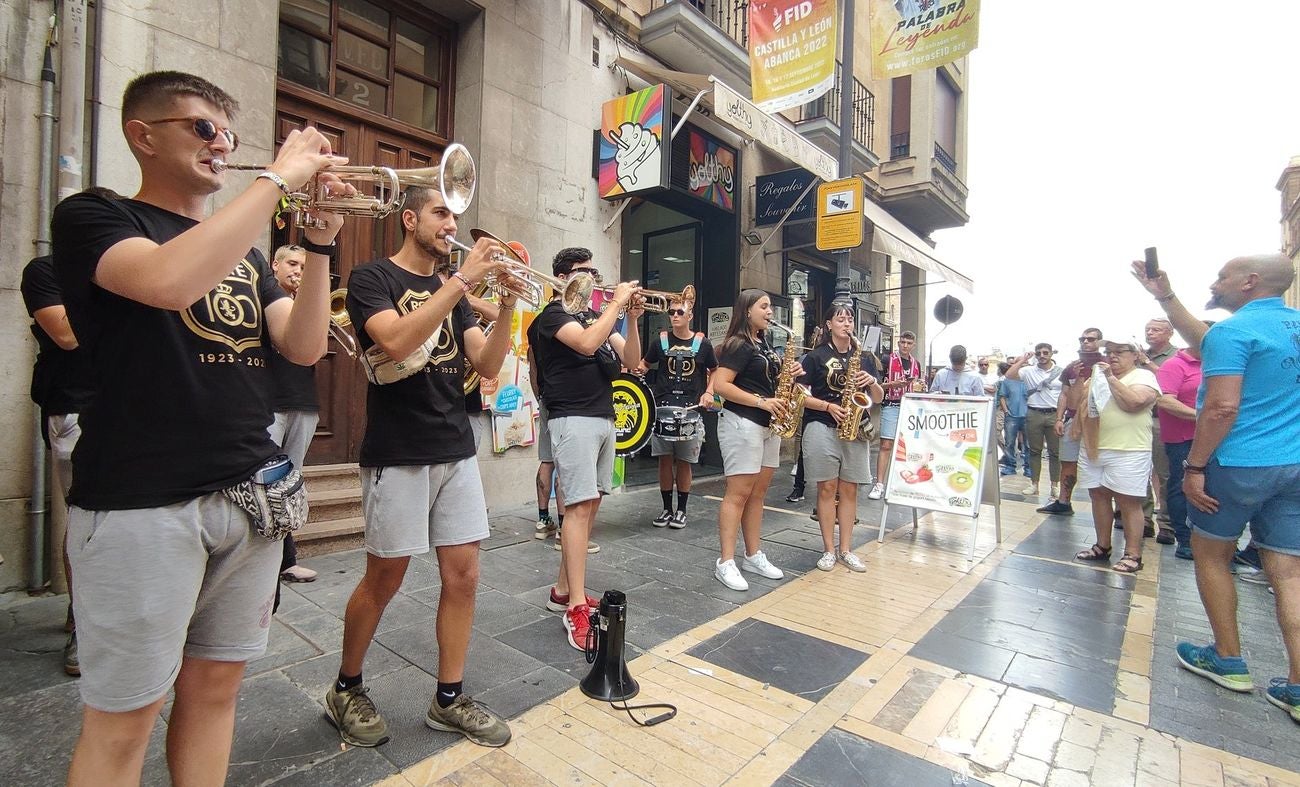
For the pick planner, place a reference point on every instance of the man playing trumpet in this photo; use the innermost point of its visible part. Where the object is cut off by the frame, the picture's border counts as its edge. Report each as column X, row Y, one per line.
column 175, row 309
column 420, row 484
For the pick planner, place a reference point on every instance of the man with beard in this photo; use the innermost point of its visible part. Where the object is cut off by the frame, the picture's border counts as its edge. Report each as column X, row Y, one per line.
column 420, row 485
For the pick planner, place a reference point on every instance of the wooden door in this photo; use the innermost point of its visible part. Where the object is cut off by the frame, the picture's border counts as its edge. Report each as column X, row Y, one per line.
column 340, row 383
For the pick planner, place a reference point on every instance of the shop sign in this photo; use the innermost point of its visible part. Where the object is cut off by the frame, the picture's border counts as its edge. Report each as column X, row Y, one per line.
column 630, row 155
column 775, row 193
column 711, row 173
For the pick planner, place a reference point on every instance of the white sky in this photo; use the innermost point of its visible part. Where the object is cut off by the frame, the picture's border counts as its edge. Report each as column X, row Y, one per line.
column 1098, row 129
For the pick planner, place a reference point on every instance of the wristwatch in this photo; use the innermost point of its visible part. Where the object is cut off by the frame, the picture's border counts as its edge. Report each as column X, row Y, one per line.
column 1188, row 467
column 330, row 249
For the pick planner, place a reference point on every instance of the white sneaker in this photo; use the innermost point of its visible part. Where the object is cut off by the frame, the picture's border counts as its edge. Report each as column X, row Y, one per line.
column 877, row 492
column 729, row 575
column 1030, row 491
column 853, row 562
column 827, row 561
column 758, row 563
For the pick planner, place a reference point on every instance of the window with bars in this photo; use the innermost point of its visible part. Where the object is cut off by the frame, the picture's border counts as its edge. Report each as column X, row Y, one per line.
column 389, row 61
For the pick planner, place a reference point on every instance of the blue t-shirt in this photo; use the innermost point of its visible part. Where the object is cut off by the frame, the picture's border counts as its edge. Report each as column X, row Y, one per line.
column 1014, row 392
column 1260, row 344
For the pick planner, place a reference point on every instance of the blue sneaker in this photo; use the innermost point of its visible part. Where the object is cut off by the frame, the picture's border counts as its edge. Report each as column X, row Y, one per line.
column 1285, row 695
column 1183, row 552
column 1228, row 671
column 1248, row 557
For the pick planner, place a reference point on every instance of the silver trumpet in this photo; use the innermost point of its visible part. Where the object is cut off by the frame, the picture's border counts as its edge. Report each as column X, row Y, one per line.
column 454, row 178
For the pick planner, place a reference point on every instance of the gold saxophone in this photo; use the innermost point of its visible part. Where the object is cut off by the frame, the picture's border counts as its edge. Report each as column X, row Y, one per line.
column 787, row 390
column 853, row 402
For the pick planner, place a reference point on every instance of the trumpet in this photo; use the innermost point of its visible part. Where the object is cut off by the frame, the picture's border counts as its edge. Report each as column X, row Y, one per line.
column 652, row 301
column 339, row 321
column 454, row 178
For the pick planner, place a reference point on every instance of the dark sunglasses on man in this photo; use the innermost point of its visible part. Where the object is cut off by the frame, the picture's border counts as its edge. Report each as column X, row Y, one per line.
column 204, row 129
column 677, row 312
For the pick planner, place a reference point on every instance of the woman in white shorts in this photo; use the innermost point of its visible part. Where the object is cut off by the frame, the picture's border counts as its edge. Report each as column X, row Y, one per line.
column 837, row 466
column 746, row 378
column 1115, row 456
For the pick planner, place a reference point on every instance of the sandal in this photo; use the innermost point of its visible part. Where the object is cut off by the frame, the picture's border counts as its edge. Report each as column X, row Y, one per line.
column 1129, row 564
column 1094, row 552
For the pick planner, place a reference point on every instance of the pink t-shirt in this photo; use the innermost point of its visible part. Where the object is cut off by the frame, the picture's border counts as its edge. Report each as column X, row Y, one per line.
column 1180, row 376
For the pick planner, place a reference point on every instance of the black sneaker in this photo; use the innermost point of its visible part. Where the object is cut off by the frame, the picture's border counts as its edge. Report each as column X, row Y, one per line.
column 663, row 519
column 1056, row 507
column 795, row 496
column 678, row 521
column 1165, row 536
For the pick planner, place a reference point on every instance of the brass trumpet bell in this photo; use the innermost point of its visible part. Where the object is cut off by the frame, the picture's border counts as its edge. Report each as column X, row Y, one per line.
column 339, row 322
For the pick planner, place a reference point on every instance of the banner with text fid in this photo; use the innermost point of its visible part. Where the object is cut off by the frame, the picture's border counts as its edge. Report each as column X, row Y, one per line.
column 791, row 51
column 914, row 35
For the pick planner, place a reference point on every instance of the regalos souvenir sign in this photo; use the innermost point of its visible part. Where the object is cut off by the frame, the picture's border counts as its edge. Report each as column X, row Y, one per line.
column 914, row 35
column 791, row 51
column 631, row 154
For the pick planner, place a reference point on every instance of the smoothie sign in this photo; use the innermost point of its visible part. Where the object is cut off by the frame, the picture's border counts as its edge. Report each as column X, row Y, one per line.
column 939, row 454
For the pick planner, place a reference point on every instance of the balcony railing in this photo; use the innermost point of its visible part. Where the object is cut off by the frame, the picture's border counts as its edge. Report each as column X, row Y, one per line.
column 900, row 145
column 945, row 158
column 828, row 106
column 729, row 16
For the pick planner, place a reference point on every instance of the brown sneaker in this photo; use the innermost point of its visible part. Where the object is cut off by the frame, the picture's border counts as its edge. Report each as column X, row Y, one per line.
column 356, row 717
column 472, row 719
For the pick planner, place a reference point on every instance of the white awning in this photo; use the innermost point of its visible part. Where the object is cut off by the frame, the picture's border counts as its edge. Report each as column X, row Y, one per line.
column 779, row 135
column 893, row 238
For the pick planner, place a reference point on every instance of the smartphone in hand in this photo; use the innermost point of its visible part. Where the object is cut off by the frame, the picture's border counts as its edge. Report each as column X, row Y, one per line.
column 1152, row 263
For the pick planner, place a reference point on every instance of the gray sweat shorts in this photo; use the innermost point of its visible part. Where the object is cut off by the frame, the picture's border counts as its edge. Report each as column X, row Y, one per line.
column 155, row 584
column 826, row 457
column 409, row 510
column 584, row 456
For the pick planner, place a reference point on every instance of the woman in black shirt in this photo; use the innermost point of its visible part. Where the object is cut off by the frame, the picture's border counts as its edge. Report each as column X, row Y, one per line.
column 746, row 378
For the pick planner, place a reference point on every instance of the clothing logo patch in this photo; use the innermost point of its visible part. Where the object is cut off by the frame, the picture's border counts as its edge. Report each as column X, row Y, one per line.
column 230, row 313
column 681, row 366
column 446, row 348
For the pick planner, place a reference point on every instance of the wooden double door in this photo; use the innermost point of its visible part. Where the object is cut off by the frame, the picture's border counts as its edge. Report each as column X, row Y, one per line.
column 340, row 382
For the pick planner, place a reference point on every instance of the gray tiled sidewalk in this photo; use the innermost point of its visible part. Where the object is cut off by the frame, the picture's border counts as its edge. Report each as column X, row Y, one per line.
column 518, row 658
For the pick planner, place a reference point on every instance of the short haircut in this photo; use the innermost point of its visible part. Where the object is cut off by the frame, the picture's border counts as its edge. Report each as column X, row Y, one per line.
column 566, row 258
column 957, row 354
column 907, row 335
column 414, row 198
column 285, row 251
column 1002, row 367
column 982, row 362
column 1097, row 331
column 1164, row 320
column 1042, row 346
column 151, row 92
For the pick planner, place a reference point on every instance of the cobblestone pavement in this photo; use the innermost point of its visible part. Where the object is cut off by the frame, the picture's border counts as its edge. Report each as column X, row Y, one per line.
column 1022, row 667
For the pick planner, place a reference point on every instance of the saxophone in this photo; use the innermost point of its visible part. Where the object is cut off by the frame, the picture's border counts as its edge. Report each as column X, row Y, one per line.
column 787, row 390
column 857, row 421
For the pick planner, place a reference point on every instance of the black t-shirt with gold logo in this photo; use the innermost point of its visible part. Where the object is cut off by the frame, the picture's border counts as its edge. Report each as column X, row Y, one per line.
column 420, row 420
column 183, row 399
column 757, row 367
column 681, row 373
column 575, row 384
column 826, row 377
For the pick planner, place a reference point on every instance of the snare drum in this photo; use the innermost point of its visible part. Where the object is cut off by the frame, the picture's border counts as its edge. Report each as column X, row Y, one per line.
column 677, row 424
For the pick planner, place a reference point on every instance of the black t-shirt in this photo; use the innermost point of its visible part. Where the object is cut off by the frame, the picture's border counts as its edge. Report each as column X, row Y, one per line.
column 756, row 366
column 537, row 371
column 826, row 377
column 682, row 373
column 183, row 399
column 419, row 420
column 576, row 384
column 295, row 386
column 61, row 379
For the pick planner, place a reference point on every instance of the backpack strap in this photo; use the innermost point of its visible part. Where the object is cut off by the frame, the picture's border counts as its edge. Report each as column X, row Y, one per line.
column 695, row 345
column 663, row 341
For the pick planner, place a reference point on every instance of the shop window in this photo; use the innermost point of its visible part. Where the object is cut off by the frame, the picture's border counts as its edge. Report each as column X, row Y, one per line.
column 393, row 62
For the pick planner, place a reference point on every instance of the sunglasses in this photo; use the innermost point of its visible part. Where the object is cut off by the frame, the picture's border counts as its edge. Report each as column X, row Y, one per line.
column 1044, row 352
column 204, row 129
column 1083, row 339
column 592, row 272
column 677, row 312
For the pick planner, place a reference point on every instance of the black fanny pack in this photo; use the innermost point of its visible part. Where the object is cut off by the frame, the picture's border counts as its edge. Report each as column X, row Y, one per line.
column 274, row 498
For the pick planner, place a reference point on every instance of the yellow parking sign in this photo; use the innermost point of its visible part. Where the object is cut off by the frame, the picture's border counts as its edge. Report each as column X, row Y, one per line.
column 839, row 214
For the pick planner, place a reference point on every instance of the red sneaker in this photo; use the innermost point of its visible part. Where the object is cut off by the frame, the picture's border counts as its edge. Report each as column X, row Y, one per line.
column 560, row 603
column 577, row 622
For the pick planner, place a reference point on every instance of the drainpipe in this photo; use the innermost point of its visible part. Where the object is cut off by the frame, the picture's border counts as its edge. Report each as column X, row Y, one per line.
column 72, row 94
column 36, row 509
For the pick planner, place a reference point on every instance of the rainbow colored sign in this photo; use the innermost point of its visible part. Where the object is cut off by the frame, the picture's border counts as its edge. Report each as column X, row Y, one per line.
column 712, row 171
column 633, row 138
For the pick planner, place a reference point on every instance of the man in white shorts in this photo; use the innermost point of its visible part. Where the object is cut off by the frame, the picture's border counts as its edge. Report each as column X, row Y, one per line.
column 175, row 308
column 581, row 353
column 420, row 485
